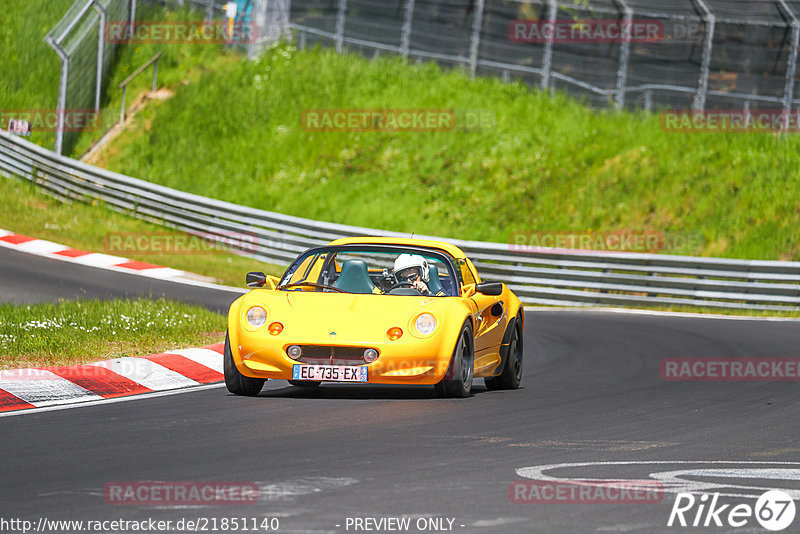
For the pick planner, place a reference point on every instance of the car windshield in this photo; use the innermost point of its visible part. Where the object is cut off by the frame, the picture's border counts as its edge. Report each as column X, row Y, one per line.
column 379, row 270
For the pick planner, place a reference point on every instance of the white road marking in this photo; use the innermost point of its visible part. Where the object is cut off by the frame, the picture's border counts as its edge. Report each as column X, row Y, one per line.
column 43, row 388
column 288, row 490
column 498, row 521
column 157, row 272
column 210, row 358
column 97, row 259
column 674, row 483
column 143, row 396
column 39, row 246
column 648, row 527
column 149, row 374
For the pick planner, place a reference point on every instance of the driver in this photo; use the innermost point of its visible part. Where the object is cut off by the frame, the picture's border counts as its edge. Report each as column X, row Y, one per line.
column 414, row 268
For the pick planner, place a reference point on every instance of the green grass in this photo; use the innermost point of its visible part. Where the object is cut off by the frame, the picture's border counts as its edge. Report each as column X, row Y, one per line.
column 546, row 165
column 71, row 332
column 27, row 210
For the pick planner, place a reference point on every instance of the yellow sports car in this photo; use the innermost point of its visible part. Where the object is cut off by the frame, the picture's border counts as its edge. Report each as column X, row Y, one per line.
column 376, row 311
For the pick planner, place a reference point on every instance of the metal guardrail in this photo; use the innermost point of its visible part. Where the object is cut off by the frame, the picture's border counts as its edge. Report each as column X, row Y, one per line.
column 545, row 276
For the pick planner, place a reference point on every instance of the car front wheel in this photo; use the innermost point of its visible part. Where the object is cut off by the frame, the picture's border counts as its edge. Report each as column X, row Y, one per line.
column 458, row 380
column 236, row 382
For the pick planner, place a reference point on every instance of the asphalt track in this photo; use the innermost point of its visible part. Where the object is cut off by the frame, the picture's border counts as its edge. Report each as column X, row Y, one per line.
column 592, row 392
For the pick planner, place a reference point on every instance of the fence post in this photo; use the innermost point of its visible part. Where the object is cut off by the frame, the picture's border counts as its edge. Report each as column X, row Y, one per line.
column 340, row 19
column 62, row 94
column 122, row 108
column 101, row 12
column 132, row 19
column 791, row 67
column 405, row 36
column 547, row 60
column 258, row 21
column 702, row 85
column 475, row 40
column 624, row 53
column 155, row 76
column 209, row 10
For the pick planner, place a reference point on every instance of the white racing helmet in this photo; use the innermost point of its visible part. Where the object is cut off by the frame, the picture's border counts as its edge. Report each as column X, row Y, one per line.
column 406, row 263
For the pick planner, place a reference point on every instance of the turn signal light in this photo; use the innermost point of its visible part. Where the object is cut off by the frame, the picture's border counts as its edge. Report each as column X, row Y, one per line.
column 275, row 328
column 394, row 333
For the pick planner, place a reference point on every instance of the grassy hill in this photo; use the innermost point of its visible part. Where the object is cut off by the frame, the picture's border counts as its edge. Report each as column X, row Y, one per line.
column 544, row 165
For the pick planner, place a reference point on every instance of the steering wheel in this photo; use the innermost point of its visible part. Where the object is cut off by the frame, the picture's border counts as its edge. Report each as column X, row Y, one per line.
column 402, row 283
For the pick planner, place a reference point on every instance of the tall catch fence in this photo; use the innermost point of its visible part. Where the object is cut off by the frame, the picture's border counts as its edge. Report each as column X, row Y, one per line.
column 706, row 54
column 86, row 58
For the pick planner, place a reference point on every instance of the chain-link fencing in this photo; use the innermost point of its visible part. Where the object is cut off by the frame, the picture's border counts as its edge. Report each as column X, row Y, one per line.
column 87, row 53
column 86, row 57
column 702, row 54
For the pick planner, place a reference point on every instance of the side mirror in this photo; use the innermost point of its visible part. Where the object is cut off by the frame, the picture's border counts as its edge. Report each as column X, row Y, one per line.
column 492, row 289
column 256, row 279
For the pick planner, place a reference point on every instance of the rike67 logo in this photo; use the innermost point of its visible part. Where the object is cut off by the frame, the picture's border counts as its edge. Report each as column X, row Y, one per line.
column 774, row 510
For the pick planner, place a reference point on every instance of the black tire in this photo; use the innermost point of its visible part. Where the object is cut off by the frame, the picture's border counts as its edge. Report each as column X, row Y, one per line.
column 512, row 370
column 305, row 383
column 458, row 380
column 236, row 382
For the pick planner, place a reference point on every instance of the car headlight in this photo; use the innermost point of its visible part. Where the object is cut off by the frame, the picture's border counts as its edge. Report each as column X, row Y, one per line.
column 425, row 324
column 256, row 316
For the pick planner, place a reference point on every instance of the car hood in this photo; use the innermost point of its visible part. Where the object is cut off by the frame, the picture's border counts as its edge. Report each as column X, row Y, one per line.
column 351, row 317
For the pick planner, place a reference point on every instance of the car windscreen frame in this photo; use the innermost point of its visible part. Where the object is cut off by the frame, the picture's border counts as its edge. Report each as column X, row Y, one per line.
column 441, row 255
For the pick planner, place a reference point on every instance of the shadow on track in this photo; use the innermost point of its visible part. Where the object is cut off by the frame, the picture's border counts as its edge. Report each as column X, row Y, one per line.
column 373, row 392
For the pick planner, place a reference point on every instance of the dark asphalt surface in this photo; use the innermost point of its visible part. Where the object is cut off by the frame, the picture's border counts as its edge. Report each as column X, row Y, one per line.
column 591, row 392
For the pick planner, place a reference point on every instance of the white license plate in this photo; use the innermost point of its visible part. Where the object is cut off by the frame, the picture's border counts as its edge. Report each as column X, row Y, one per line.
column 330, row 373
